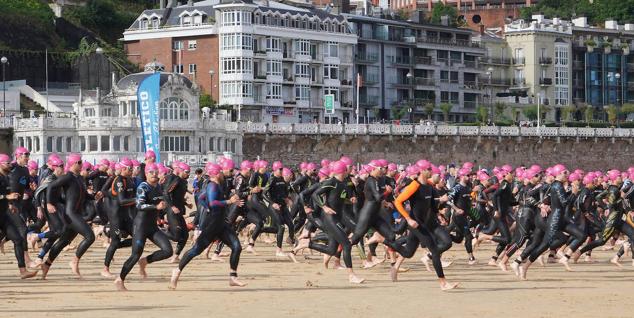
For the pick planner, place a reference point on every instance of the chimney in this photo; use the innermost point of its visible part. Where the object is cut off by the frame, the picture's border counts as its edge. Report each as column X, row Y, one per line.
column 444, row 20
column 581, row 22
column 611, row 24
column 629, row 27
column 162, row 4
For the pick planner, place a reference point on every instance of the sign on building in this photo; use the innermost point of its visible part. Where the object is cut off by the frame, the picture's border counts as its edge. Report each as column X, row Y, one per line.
column 329, row 104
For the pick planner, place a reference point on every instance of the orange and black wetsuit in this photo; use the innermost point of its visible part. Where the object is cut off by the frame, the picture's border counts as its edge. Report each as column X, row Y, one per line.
column 424, row 210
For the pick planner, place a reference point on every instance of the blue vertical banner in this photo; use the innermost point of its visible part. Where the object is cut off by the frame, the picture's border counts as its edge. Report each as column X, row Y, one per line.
column 148, row 96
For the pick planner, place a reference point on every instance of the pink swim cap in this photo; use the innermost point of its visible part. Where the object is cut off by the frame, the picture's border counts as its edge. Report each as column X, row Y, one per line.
column 507, row 168
column 277, row 165
column 72, row 158
column 162, row 169
column 51, row 156
column 104, row 162
column 383, row 163
column 152, row 167
column 392, row 167
column 412, row 170
column 286, row 172
column 302, row 166
column 21, row 151
column 435, row 170
column 325, row 162
column 150, row 154
column 311, row 166
column 463, row 172
column 84, row 166
column 558, row 169
column 184, row 167
column 613, row 175
column 117, row 166
column 246, row 165
column 536, row 168
column 574, row 177
column 32, row 165
column 467, row 165
column 423, row 164
column 125, row 162
column 338, row 167
column 213, row 170
column 135, row 163
column 589, row 179
column 324, row 172
column 4, row 158
column 55, row 162
column 346, row 160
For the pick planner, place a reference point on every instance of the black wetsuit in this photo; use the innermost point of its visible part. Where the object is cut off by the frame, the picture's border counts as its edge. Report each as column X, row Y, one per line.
column 460, row 196
column 145, row 227
column 119, row 202
column 175, row 189
column 8, row 224
column 19, row 182
column 255, row 202
column 276, row 192
column 370, row 214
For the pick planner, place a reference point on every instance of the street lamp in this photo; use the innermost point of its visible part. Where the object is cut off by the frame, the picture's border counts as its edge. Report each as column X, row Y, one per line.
column 410, row 78
column 99, row 52
column 4, row 61
column 489, row 74
column 618, row 101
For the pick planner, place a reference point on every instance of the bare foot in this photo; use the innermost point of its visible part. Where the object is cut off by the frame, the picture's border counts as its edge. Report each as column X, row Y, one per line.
column 446, row 264
column 516, row 268
column 32, row 239
column 176, row 273
column 106, row 273
column 45, row 268
column 234, row 282
column 393, row 273
column 217, row 258
column 142, row 265
column 292, row 257
column 425, row 259
column 588, row 259
column 523, row 270
column 251, row 250
column 540, row 261
column 403, row 269
column 353, row 279
column 564, row 261
column 472, row 262
column 448, row 286
column 74, row 267
column 119, row 284
column 502, row 266
column 36, row 263
column 575, row 256
column 174, row 260
column 26, row 274
column 368, row 265
column 492, row 262
column 280, row 254
column 615, row 261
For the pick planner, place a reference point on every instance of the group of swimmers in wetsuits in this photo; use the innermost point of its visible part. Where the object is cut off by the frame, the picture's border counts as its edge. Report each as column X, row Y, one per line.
column 335, row 208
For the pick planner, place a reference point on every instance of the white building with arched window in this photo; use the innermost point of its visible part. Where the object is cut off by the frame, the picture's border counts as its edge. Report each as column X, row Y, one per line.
column 108, row 126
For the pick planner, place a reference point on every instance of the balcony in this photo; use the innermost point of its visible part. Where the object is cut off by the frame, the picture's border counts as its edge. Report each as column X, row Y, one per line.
column 495, row 81
column 630, row 85
column 470, row 104
column 346, row 82
column 495, row 60
column 425, row 81
column 519, row 60
column 471, row 85
column 545, row 81
column 471, row 64
column 518, row 83
column 369, row 79
column 578, row 84
column 426, row 60
column 369, row 100
column 401, row 60
column 545, row 60
column 446, row 42
column 364, row 57
column 577, row 65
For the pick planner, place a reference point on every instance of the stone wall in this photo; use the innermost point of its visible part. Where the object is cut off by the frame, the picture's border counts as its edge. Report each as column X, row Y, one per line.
column 6, row 141
column 583, row 153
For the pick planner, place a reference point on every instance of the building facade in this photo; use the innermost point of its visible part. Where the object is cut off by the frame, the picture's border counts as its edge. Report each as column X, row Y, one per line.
column 266, row 60
column 404, row 65
column 108, row 126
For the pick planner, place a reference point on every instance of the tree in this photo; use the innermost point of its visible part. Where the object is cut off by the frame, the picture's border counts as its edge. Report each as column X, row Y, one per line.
column 428, row 109
column 499, row 108
column 205, row 100
column 612, row 114
column 398, row 111
column 566, row 111
column 588, row 114
column 482, row 114
column 446, row 109
column 530, row 112
column 440, row 10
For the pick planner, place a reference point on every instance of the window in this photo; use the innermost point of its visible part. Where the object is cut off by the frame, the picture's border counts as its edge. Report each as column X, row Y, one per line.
column 543, row 53
column 273, row 44
column 69, row 144
column 82, row 143
column 37, row 144
column 332, row 49
column 133, row 107
column 274, row 67
column 174, row 108
column 106, row 112
column 302, row 47
column 192, row 45
column 302, row 70
column 58, row 144
column 89, row 112
column 49, row 144
column 177, row 45
column 126, row 143
column 302, row 92
column 116, row 143
column 211, row 143
column 331, row 71
column 143, row 24
column 93, row 143
column 562, row 75
column 273, row 91
column 198, row 19
column 192, row 68
column 332, row 91
column 186, row 20
column 124, row 108
column 234, row 65
column 155, row 23
column 236, row 41
column 236, row 89
column 230, row 18
column 175, row 143
column 105, row 143
column 177, row 68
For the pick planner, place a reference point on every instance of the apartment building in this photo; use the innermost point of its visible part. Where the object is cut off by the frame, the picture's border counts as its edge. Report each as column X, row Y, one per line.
column 267, row 60
column 603, row 67
column 408, row 65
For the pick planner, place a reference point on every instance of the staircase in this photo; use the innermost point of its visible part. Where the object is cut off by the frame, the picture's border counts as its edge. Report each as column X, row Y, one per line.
column 27, row 105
